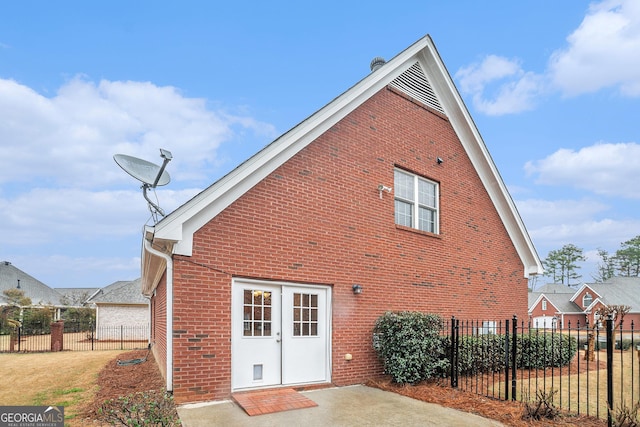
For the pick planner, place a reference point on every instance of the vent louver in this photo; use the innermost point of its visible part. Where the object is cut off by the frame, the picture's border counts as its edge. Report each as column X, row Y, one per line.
column 414, row 83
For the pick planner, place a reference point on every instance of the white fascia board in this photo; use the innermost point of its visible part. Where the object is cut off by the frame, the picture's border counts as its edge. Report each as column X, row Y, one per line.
column 583, row 287
column 478, row 153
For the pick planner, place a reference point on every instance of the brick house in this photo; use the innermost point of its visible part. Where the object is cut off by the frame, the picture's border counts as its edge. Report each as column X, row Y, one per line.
column 559, row 306
column 384, row 199
column 121, row 311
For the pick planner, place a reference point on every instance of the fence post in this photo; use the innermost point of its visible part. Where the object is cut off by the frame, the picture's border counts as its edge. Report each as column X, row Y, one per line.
column 507, row 356
column 514, row 348
column 454, row 352
column 609, row 370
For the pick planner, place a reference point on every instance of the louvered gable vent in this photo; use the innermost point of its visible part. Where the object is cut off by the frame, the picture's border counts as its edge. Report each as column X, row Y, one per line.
column 414, row 83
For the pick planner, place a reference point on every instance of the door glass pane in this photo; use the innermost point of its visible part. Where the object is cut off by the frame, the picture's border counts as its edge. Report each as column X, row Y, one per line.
column 256, row 313
column 305, row 315
column 247, row 296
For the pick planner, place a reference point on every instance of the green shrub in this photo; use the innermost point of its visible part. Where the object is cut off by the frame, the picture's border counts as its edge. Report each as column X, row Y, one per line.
column 409, row 346
column 481, row 353
column 542, row 350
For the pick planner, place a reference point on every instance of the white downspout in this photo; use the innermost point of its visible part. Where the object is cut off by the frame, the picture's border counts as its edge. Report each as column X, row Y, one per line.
column 169, row 260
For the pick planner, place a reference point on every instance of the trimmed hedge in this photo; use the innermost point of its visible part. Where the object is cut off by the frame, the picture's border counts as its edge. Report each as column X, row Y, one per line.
column 409, row 346
column 485, row 353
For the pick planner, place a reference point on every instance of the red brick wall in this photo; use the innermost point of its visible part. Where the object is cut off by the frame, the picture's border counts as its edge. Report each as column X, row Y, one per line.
column 159, row 325
column 319, row 219
column 539, row 312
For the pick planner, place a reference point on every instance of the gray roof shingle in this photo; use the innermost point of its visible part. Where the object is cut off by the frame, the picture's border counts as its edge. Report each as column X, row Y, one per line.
column 38, row 292
column 121, row 292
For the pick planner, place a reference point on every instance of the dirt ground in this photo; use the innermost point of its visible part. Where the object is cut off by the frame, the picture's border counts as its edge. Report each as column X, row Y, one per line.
column 115, row 381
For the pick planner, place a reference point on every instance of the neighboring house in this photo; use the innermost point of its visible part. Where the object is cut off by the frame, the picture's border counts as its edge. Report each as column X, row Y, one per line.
column 559, row 306
column 384, row 199
column 40, row 294
column 122, row 312
column 76, row 297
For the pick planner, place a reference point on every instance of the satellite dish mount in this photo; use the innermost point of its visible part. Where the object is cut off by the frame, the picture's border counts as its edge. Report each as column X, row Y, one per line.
column 150, row 174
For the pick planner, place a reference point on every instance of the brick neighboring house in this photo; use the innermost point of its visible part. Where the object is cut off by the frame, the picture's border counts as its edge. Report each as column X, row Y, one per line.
column 122, row 312
column 558, row 306
column 384, row 199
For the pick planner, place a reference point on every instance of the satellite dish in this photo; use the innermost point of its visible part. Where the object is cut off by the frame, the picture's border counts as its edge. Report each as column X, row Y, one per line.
column 142, row 170
column 150, row 174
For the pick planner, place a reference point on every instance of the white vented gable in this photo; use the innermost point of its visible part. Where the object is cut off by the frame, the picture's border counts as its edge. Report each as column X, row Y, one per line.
column 414, row 83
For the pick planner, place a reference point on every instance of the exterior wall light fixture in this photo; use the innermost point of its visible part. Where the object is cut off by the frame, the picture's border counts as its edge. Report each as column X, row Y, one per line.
column 357, row 289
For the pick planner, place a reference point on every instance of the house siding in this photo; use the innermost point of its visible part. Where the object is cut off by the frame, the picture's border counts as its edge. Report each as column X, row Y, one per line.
column 319, row 218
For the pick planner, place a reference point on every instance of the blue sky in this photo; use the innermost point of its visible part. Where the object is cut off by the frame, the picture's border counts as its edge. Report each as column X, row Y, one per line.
column 554, row 88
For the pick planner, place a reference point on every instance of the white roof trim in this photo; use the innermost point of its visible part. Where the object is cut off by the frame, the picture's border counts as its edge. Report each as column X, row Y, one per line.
column 584, row 286
column 537, row 301
column 179, row 226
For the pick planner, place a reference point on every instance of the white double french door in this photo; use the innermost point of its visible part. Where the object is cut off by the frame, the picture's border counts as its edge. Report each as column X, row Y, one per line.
column 280, row 334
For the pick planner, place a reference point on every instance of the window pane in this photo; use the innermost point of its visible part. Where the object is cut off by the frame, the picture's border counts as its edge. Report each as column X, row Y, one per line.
column 247, row 297
column 427, row 220
column 257, row 297
column 267, row 298
column 296, row 300
column 403, row 184
column 267, row 329
column 426, row 193
column 257, row 313
column 403, row 213
column 305, row 300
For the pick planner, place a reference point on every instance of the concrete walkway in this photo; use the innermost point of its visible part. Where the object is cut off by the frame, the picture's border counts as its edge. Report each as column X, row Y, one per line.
column 342, row 406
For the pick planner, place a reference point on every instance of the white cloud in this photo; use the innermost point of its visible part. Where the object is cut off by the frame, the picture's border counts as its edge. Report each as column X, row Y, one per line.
column 69, row 139
column 42, row 215
column 602, row 51
column 604, row 169
column 515, row 89
column 585, row 223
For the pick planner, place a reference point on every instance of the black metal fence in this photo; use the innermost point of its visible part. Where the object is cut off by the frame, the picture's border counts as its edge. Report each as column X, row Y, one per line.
column 580, row 369
column 77, row 337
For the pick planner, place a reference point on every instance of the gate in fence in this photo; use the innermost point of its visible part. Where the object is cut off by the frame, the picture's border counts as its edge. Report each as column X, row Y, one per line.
column 583, row 369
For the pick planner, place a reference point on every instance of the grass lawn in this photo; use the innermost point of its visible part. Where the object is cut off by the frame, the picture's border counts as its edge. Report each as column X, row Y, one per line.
column 585, row 392
column 65, row 378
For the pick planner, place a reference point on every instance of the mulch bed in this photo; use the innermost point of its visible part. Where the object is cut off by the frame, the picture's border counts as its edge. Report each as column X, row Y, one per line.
column 116, row 381
column 507, row 412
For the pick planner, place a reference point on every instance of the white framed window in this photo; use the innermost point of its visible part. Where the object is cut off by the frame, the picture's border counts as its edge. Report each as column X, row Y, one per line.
column 544, row 304
column 488, row 327
column 416, row 201
column 587, row 299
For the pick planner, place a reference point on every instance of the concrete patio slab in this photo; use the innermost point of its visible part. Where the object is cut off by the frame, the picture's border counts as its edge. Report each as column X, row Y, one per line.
column 339, row 406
